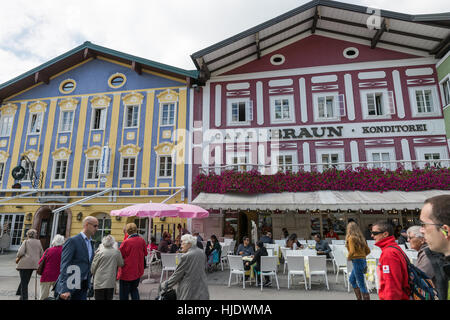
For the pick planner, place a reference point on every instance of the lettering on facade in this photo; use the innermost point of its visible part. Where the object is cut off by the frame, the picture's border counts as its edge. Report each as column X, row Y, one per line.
column 396, row 128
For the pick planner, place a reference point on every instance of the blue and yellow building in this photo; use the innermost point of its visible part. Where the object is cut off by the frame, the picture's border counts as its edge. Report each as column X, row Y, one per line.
column 102, row 130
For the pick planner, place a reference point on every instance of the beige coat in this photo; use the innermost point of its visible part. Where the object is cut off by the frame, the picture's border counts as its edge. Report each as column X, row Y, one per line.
column 104, row 267
column 30, row 252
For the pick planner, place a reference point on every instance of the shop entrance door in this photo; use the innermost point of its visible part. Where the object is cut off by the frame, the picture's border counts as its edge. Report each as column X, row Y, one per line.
column 14, row 223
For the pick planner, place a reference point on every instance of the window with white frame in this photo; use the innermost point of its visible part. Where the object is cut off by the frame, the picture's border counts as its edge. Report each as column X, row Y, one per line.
column 432, row 156
column 326, row 106
column 238, row 162
column 376, row 104
column 381, row 158
column 60, row 170
column 98, row 118
column 103, row 230
column 168, row 114
column 6, row 123
column 2, row 169
column 240, row 111
column 424, row 101
column 131, row 116
column 329, row 158
column 66, row 121
column 445, row 84
column 285, row 161
column 92, row 169
column 35, row 124
column 128, row 168
column 282, row 109
column 165, row 166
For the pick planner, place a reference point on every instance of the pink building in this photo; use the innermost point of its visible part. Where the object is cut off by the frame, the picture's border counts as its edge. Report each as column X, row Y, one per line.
column 325, row 85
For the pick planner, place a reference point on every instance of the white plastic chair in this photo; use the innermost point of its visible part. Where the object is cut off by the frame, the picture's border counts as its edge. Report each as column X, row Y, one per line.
column 334, row 241
column 341, row 262
column 347, row 273
column 169, row 263
column 281, row 243
column 403, row 247
column 269, row 266
column 303, row 242
column 284, row 252
column 307, row 252
column 224, row 255
column 270, row 252
column 375, row 253
column 318, row 266
column 237, row 268
column 311, row 242
column 227, row 241
column 296, row 266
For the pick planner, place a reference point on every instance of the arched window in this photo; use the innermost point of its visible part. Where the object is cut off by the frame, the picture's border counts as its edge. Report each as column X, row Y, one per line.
column 104, row 228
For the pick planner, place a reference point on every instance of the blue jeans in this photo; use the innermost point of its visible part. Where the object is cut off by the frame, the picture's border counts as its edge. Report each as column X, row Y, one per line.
column 357, row 276
column 129, row 287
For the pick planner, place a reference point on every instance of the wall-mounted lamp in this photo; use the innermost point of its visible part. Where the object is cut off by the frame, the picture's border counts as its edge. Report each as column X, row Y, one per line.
column 29, row 216
column 118, row 218
column 79, row 216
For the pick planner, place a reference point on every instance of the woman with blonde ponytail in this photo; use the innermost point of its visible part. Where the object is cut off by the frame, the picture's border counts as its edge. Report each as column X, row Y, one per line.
column 357, row 252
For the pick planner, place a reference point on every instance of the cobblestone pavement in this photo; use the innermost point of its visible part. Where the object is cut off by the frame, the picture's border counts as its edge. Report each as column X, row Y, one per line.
column 217, row 284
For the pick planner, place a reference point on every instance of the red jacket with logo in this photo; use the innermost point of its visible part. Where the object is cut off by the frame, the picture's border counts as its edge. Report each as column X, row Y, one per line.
column 133, row 250
column 392, row 272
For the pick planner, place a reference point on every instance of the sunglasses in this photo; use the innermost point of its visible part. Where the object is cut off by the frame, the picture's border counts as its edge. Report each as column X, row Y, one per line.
column 374, row 233
column 94, row 225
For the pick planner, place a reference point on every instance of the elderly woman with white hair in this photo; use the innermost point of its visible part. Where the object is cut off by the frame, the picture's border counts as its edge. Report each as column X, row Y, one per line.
column 104, row 268
column 190, row 273
column 27, row 260
column 417, row 242
column 52, row 262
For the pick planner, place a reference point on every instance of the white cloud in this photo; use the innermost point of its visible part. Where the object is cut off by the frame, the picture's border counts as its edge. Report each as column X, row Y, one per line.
column 33, row 32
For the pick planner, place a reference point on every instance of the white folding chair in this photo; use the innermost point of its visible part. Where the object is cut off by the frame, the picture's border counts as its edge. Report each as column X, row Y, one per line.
column 347, row 273
column 227, row 240
column 270, row 252
column 281, row 243
column 269, row 266
column 307, row 252
column 232, row 244
column 296, row 266
column 318, row 266
column 303, row 242
column 311, row 242
column 224, row 255
column 169, row 263
column 334, row 241
column 237, row 268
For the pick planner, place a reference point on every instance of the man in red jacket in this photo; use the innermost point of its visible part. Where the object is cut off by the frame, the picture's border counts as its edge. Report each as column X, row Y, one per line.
column 392, row 268
column 133, row 250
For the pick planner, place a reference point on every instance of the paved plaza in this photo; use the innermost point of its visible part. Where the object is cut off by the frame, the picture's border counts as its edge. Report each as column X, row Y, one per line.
column 218, row 286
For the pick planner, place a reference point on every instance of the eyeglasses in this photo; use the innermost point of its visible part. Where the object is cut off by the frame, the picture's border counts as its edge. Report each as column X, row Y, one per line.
column 374, row 233
column 423, row 224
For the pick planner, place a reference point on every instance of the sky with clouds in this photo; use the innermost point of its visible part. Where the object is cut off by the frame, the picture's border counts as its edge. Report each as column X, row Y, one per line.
column 167, row 31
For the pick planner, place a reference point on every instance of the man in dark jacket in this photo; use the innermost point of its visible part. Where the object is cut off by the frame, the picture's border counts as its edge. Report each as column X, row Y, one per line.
column 322, row 246
column 435, row 222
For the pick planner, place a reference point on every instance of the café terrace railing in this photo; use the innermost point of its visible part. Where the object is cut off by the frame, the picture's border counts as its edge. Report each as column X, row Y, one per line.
column 269, row 169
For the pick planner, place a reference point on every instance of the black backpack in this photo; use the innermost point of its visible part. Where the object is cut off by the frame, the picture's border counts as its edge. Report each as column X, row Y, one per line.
column 422, row 288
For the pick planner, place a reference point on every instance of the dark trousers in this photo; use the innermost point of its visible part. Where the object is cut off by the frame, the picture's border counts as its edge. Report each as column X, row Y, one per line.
column 129, row 287
column 25, row 276
column 104, row 294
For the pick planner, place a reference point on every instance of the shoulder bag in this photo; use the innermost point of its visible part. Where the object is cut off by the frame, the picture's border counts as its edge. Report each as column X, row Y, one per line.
column 41, row 266
column 18, row 258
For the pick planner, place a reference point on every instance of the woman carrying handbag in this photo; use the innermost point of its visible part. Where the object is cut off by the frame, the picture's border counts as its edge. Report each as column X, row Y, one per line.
column 27, row 260
column 49, row 266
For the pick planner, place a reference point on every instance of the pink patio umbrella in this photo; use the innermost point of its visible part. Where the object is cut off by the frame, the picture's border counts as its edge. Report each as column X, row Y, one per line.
column 151, row 210
column 191, row 211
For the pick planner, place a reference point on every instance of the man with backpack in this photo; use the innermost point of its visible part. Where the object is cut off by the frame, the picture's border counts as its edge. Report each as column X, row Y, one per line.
column 392, row 267
column 435, row 222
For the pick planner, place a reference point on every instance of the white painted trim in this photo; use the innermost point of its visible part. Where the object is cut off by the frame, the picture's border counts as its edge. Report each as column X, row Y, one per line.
column 125, row 110
column 349, row 96
column 121, row 177
column 53, row 179
column 365, row 107
column 420, row 153
column 61, row 119
column 102, row 123
column 2, row 118
column 325, row 69
column 413, row 103
column 218, row 105
column 419, row 72
column 175, row 113
column 354, row 152
column 391, row 151
column 190, row 145
column 371, row 75
column 158, row 176
column 291, row 118
column 206, row 110
column 230, row 101
column 217, row 158
column 303, row 100
column 259, row 103
column 238, row 86
column 316, row 96
column 320, row 152
column 442, row 60
column 398, row 94
column 441, row 87
column 86, row 167
column 306, row 156
column 262, row 157
column 281, row 83
column 324, row 79
column 406, row 153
